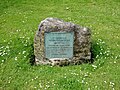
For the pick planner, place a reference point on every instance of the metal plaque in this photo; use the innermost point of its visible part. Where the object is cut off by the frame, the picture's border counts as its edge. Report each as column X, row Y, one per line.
column 59, row 44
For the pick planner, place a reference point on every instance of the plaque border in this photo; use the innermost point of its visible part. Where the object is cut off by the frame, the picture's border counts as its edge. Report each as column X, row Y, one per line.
column 61, row 57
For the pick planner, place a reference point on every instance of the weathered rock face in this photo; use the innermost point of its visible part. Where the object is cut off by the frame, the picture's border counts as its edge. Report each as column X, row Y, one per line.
column 81, row 45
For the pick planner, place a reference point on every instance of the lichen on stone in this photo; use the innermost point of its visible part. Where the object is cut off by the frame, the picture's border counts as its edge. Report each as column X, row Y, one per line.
column 81, row 45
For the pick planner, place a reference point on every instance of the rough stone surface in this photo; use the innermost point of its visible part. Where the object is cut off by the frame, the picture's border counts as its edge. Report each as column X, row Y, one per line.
column 81, row 47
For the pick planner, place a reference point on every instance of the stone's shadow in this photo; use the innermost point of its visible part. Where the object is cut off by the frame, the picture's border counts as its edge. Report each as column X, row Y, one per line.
column 31, row 55
column 95, row 50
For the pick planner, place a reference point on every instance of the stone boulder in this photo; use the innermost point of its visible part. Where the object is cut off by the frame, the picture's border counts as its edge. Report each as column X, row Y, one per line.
column 81, row 45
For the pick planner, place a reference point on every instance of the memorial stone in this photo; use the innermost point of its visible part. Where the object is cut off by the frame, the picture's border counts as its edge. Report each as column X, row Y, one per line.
column 61, row 43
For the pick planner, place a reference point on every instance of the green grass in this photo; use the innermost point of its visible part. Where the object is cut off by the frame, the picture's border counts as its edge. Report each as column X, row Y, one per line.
column 19, row 20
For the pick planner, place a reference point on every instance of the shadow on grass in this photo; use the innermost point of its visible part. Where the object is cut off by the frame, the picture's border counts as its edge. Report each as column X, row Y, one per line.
column 97, row 50
column 31, row 55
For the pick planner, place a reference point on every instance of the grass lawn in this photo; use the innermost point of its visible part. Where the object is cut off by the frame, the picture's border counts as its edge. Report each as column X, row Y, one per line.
column 19, row 20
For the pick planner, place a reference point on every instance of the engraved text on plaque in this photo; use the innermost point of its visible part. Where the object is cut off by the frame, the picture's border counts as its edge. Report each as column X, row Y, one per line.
column 59, row 44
